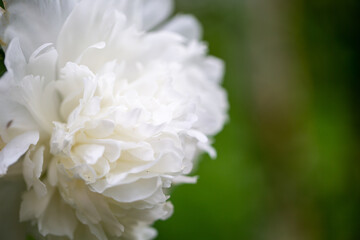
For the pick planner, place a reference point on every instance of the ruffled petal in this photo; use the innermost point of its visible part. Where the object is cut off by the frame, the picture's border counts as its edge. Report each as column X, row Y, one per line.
column 54, row 216
column 32, row 170
column 85, row 26
column 15, row 149
column 138, row 190
column 28, row 84
column 39, row 23
column 58, row 219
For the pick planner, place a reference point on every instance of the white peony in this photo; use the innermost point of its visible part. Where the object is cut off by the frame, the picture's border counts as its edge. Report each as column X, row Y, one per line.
column 105, row 107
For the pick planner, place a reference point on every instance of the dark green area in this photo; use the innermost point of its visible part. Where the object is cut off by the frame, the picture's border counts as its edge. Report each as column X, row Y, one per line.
column 2, row 66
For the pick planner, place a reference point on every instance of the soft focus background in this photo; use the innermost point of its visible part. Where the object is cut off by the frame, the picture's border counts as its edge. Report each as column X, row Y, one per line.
column 288, row 163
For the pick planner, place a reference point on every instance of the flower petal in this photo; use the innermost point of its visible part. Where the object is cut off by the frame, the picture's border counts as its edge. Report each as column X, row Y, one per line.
column 185, row 25
column 32, row 169
column 40, row 23
column 15, row 60
column 155, row 12
column 15, row 149
column 90, row 153
column 132, row 192
column 85, row 27
column 58, row 219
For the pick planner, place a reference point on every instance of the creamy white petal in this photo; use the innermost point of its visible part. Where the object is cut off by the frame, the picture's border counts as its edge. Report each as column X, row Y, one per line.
column 185, row 179
column 32, row 170
column 33, row 90
column 155, row 12
column 144, row 233
column 14, row 117
column 90, row 153
column 214, row 68
column 15, row 60
column 58, row 218
column 15, row 149
column 71, row 87
column 138, row 190
column 52, row 173
column 85, row 27
column 33, row 206
column 42, row 62
column 18, row 88
column 92, row 209
column 100, row 128
column 34, row 22
column 122, row 105
column 185, row 25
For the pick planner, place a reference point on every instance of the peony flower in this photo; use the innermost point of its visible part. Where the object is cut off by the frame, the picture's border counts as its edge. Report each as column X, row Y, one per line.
column 104, row 106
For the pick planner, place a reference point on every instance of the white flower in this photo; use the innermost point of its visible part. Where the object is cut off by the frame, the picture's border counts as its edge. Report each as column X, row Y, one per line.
column 107, row 107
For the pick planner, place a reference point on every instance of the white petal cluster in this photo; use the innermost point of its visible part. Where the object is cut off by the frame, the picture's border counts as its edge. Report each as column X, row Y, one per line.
column 105, row 106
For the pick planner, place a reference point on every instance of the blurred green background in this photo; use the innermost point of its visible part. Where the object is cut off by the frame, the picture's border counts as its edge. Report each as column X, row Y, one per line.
column 288, row 163
column 288, row 160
